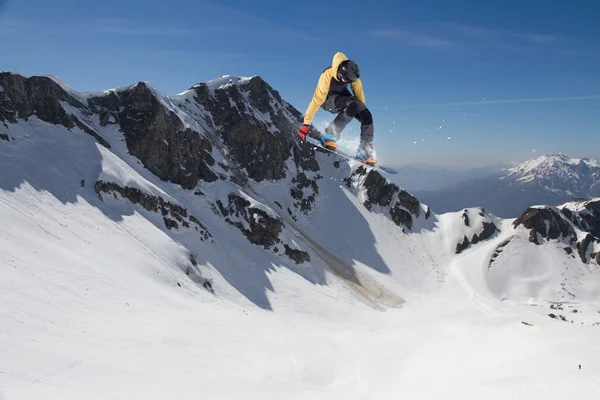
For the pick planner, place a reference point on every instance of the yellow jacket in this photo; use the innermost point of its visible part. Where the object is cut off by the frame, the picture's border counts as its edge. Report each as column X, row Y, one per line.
column 322, row 90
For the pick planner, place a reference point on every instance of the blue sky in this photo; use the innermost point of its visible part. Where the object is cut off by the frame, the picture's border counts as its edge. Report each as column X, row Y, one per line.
column 504, row 80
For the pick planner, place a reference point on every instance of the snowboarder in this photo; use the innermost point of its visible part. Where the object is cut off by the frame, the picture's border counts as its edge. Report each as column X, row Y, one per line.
column 332, row 94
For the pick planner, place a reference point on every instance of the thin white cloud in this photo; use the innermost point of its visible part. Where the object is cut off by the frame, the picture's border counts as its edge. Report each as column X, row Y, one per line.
column 414, row 38
column 497, row 34
column 15, row 28
column 266, row 32
column 444, row 35
column 508, row 101
column 126, row 27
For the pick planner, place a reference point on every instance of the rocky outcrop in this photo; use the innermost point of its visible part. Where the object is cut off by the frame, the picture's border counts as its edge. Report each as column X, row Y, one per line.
column 257, row 225
column 255, row 123
column 489, row 229
column 498, row 251
column 174, row 216
column 546, row 223
column 465, row 218
column 586, row 217
column 39, row 96
column 550, row 223
column 298, row 256
column 583, row 247
column 22, row 97
column 402, row 205
column 302, row 183
column 477, row 220
column 107, row 107
column 158, row 137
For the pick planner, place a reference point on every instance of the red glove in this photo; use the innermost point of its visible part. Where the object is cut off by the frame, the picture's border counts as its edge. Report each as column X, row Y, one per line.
column 303, row 132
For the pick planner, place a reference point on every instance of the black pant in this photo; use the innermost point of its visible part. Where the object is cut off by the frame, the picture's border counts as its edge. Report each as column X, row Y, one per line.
column 348, row 107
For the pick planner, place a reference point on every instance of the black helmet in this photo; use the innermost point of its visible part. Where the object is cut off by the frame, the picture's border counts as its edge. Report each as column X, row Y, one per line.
column 348, row 71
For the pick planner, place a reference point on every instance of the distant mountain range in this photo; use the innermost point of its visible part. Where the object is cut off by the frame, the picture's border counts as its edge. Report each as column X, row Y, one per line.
column 421, row 176
column 550, row 179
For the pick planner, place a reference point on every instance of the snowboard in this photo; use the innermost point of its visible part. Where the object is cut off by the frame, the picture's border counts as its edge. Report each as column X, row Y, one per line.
column 347, row 156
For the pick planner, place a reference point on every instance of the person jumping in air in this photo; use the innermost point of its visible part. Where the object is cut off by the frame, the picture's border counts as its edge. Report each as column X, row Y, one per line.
column 332, row 94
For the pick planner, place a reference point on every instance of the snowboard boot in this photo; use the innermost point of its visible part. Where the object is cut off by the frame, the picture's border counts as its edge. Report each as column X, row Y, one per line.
column 365, row 154
column 329, row 142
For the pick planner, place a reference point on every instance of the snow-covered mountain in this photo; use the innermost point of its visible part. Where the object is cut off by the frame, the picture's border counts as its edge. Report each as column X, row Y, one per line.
column 557, row 173
column 159, row 246
column 550, row 179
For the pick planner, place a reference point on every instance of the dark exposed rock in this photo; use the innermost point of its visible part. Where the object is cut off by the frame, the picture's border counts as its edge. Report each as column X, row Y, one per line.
column 401, row 217
column 409, row 202
column 463, row 245
column 107, row 118
column 298, row 256
column 428, row 213
column 207, row 284
column 583, row 246
column 301, row 182
column 381, row 192
column 155, row 204
column 259, row 146
column 465, row 217
column 263, row 230
column 547, row 223
column 170, row 223
column 296, row 193
column 39, row 95
column 488, row 230
column 304, row 157
column 588, row 219
column 568, row 213
column 4, row 136
column 258, row 226
column 110, row 102
column 159, row 139
column 498, row 251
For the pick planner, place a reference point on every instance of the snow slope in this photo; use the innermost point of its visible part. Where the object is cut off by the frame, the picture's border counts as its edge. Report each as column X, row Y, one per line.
column 99, row 300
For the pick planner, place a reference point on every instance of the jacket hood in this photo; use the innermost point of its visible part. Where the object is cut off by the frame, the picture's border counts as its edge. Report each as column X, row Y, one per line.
column 338, row 58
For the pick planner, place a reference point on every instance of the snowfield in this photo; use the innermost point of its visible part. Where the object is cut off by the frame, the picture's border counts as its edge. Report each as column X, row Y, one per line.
column 99, row 300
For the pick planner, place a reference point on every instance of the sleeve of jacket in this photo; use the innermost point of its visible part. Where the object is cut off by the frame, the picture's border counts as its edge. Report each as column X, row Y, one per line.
column 357, row 89
column 319, row 97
